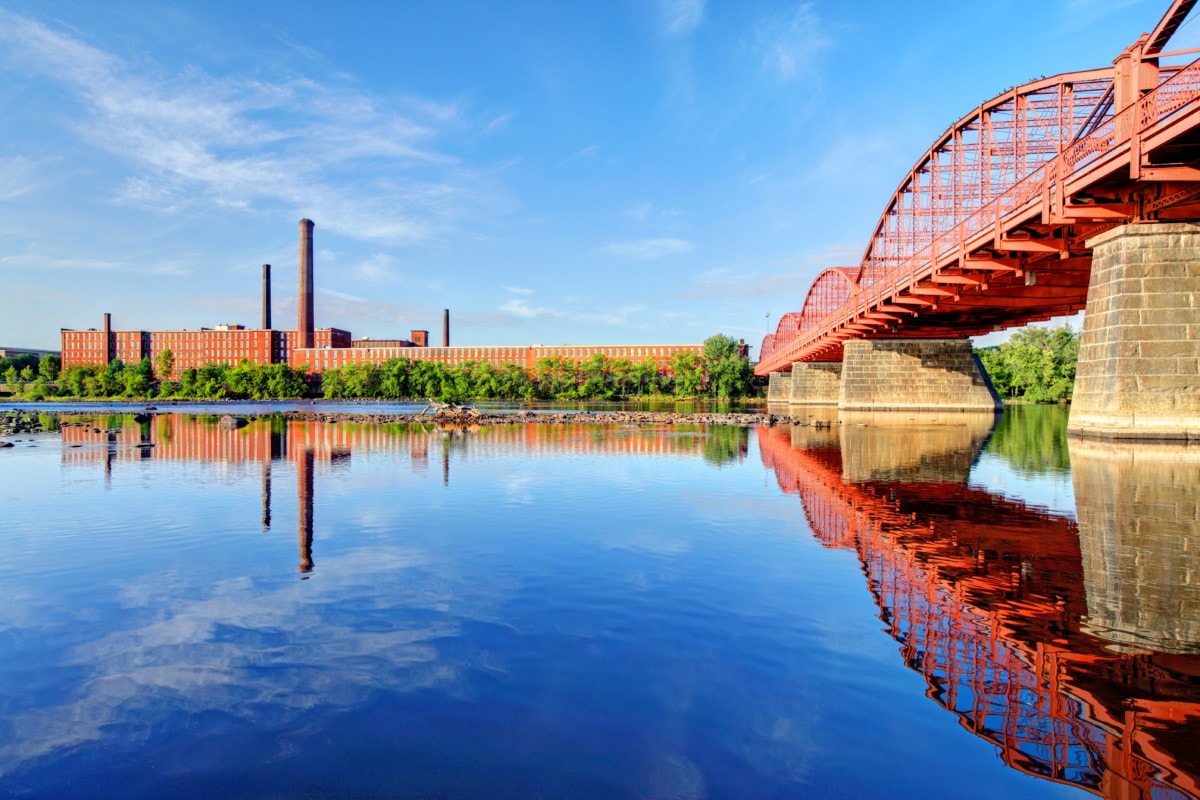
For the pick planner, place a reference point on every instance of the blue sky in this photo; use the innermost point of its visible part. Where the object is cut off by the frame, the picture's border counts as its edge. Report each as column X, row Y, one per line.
column 552, row 172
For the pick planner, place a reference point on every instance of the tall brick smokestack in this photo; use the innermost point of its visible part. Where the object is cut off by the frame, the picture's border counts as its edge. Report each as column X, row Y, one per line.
column 445, row 327
column 304, row 320
column 108, row 348
column 266, row 298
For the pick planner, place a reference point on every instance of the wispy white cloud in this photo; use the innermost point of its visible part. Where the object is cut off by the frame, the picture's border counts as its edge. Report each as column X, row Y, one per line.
column 362, row 165
column 857, row 159
column 792, row 42
column 333, row 307
column 792, row 282
column 498, row 123
column 378, row 267
column 19, row 176
column 622, row 317
column 518, row 290
column 649, row 249
column 583, row 153
column 485, row 320
column 31, row 262
column 349, row 309
column 339, row 295
column 681, row 17
column 645, row 212
column 236, row 309
column 522, row 309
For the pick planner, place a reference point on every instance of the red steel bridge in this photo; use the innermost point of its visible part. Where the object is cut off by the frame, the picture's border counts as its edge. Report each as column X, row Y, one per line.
column 988, row 229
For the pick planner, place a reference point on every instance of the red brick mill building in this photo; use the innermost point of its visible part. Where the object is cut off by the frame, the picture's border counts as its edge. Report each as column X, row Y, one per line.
column 318, row 349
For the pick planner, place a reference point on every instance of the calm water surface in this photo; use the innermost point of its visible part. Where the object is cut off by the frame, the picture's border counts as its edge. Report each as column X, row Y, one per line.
column 868, row 606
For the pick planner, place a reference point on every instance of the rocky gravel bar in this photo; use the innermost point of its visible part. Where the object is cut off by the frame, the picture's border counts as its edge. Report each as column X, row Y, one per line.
column 23, row 421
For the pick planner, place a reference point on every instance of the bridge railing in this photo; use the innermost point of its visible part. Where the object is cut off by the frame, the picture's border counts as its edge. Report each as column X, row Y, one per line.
column 1169, row 99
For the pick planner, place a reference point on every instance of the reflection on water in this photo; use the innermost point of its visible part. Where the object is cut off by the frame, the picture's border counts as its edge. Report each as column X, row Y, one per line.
column 174, row 437
column 1007, row 610
column 596, row 611
column 1033, row 439
column 1139, row 525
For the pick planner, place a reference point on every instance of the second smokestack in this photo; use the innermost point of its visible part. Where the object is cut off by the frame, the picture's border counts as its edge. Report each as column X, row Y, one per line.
column 304, row 320
column 445, row 327
column 266, row 298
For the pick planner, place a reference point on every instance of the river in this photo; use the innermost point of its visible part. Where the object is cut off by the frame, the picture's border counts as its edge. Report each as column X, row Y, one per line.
column 858, row 606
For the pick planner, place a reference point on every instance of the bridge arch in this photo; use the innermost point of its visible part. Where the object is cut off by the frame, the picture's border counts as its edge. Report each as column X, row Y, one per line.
column 979, row 158
column 832, row 289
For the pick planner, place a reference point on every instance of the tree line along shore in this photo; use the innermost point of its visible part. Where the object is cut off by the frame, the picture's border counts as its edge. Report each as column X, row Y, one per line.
column 720, row 371
column 1036, row 365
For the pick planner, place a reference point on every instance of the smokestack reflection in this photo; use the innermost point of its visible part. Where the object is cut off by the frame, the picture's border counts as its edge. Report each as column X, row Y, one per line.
column 304, row 484
column 266, row 496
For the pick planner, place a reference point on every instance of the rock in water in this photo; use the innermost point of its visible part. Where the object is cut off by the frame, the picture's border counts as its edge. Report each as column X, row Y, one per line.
column 232, row 423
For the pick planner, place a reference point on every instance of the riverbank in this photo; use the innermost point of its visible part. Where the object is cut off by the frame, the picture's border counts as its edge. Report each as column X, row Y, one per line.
column 32, row 420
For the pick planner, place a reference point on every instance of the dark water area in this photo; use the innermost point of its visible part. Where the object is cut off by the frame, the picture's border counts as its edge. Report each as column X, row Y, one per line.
column 861, row 606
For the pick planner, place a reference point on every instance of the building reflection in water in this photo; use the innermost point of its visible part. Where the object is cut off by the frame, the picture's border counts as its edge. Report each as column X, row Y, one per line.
column 115, row 439
column 1020, row 620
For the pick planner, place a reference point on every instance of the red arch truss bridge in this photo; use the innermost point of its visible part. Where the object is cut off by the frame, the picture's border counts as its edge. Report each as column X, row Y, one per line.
column 989, row 228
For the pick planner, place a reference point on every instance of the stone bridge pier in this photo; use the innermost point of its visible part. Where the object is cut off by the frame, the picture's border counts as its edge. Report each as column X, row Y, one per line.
column 891, row 375
column 1139, row 353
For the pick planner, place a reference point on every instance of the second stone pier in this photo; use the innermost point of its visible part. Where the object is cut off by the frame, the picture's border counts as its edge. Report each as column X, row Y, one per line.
column 912, row 374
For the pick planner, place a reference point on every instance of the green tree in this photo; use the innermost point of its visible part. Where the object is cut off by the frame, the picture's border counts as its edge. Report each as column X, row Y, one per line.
column 514, row 383
column 211, row 382
column 284, row 382
column 19, row 361
column 11, row 375
column 38, row 390
column 1036, row 364
column 427, row 378
column 393, row 379
column 361, row 380
column 49, row 366
column 135, row 380
column 644, row 377
column 688, row 374
column 188, row 382
column 596, row 380
column 164, row 363
column 73, row 380
column 729, row 372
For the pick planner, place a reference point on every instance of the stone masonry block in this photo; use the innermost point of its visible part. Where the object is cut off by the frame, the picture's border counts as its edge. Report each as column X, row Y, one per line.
column 1140, row 347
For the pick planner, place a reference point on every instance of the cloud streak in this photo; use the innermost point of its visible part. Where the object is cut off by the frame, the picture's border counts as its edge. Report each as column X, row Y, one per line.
column 625, row 317
column 363, row 167
column 649, row 249
column 792, row 42
column 681, row 17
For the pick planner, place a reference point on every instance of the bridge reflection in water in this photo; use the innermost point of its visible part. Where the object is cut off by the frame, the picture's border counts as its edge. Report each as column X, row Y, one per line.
column 1072, row 647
